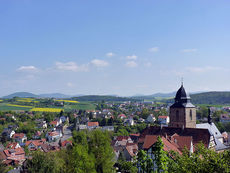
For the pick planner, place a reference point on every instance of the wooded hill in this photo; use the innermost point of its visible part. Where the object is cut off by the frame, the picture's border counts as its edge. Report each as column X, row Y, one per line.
column 213, row 98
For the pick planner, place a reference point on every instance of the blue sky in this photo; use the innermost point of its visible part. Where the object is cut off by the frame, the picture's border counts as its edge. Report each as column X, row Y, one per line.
column 114, row 46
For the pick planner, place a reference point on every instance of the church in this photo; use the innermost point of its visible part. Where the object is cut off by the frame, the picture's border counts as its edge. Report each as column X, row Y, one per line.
column 182, row 115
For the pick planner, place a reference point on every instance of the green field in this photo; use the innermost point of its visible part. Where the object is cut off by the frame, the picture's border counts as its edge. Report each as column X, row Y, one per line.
column 81, row 105
column 5, row 107
column 67, row 107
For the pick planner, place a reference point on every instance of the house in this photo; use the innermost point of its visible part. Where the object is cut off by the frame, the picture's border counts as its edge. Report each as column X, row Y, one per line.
column 54, row 123
column 224, row 118
column 34, row 144
column 215, row 134
column 163, row 120
column 37, row 135
column 20, row 138
column 151, row 119
column 13, row 156
column 80, row 127
column 54, row 136
column 135, row 137
column 92, row 125
column 42, row 124
column 198, row 135
column 122, row 116
column 8, row 133
column 13, row 145
column 130, row 151
column 66, row 143
column 129, row 122
column 108, row 128
column 64, row 119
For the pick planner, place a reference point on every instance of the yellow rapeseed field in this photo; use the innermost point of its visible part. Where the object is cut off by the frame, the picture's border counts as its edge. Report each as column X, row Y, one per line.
column 68, row 101
column 21, row 106
column 25, row 100
column 46, row 110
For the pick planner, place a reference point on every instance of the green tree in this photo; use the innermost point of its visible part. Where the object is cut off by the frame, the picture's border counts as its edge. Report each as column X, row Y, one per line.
column 100, row 146
column 161, row 158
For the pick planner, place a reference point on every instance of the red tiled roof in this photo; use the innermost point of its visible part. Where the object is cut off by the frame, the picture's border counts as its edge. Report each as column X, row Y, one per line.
column 132, row 149
column 91, row 124
column 150, row 140
column 53, row 133
column 12, row 145
column 122, row 115
column 137, row 135
column 18, row 135
column 36, row 143
column 54, row 122
column 120, row 138
column 65, row 143
column 17, row 151
column 198, row 135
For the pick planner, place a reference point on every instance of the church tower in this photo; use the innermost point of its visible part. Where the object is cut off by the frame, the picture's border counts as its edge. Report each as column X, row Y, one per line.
column 182, row 112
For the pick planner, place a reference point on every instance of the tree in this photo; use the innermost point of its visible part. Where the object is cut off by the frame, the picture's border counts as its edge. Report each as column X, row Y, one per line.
column 100, row 147
column 202, row 160
column 161, row 158
column 82, row 161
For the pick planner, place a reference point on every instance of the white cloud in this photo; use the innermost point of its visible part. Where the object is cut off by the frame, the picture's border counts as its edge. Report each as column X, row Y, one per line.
column 110, row 54
column 154, row 49
column 148, row 64
column 188, row 50
column 99, row 63
column 131, row 64
column 71, row 66
column 27, row 68
column 132, row 57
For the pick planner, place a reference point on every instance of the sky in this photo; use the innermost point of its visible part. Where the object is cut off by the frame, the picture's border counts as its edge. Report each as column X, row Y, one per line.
column 114, row 46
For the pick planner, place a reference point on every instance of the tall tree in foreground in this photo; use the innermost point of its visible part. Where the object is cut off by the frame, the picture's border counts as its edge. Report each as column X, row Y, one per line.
column 100, row 147
column 161, row 158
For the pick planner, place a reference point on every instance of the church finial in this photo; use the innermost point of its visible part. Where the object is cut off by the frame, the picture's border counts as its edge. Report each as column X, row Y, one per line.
column 182, row 81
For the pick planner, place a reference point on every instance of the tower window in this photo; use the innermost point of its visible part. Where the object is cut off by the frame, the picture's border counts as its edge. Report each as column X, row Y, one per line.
column 190, row 114
column 177, row 115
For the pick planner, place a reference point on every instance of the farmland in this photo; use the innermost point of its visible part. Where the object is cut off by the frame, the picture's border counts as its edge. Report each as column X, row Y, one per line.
column 43, row 105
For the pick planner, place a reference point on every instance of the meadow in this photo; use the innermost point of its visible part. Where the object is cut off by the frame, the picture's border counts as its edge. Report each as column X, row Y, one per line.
column 37, row 105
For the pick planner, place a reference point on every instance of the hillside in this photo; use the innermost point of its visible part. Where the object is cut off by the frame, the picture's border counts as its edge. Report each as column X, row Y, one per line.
column 21, row 94
column 103, row 98
column 213, row 98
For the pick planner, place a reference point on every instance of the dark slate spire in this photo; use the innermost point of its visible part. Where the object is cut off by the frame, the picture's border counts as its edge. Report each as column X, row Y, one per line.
column 182, row 99
column 181, row 95
column 209, row 116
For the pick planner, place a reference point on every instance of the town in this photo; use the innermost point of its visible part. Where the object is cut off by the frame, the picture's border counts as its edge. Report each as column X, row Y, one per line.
column 132, row 127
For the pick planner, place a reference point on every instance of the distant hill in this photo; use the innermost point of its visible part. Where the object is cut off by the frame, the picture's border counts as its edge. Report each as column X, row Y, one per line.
column 155, row 96
column 27, row 94
column 21, row 94
column 103, row 98
column 54, row 95
column 213, row 98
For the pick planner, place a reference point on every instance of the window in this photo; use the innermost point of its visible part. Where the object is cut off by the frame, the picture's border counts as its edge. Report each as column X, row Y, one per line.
column 190, row 114
column 177, row 115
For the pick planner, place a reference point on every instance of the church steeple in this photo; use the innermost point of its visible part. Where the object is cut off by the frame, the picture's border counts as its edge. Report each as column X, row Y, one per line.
column 182, row 112
column 209, row 116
